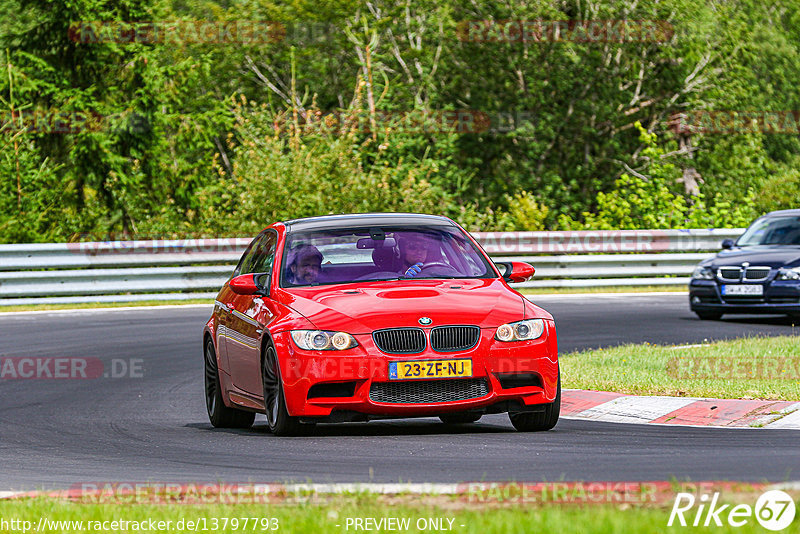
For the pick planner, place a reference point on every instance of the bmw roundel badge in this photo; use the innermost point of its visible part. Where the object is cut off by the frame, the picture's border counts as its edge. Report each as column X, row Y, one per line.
column 425, row 321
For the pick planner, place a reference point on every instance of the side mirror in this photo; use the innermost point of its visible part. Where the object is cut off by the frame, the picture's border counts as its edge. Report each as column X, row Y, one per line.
column 727, row 244
column 515, row 271
column 250, row 284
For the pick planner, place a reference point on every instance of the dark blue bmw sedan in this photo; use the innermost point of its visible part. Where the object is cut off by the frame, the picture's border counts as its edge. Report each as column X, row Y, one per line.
column 757, row 273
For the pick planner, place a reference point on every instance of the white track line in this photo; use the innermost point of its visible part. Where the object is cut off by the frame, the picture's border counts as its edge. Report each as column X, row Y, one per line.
column 105, row 310
column 428, row 488
column 790, row 421
column 531, row 296
column 634, row 409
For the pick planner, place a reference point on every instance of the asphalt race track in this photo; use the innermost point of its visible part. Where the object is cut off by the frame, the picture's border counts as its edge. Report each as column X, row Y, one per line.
column 153, row 427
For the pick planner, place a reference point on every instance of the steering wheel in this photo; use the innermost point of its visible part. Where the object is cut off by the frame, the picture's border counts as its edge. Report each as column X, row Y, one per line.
column 438, row 264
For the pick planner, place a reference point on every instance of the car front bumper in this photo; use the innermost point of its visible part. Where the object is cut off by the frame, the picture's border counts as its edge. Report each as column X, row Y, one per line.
column 779, row 297
column 506, row 376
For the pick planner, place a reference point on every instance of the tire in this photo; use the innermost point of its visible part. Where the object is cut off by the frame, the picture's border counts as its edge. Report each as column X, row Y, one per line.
column 461, row 418
column 278, row 418
column 709, row 316
column 539, row 421
column 220, row 415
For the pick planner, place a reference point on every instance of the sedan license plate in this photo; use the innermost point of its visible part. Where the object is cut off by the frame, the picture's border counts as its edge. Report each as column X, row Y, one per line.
column 430, row 369
column 744, row 289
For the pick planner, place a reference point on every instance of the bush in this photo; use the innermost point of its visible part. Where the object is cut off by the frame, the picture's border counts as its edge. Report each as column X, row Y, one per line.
column 654, row 199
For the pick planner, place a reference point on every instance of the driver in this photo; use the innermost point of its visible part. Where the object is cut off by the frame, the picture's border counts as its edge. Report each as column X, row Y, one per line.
column 415, row 251
column 304, row 266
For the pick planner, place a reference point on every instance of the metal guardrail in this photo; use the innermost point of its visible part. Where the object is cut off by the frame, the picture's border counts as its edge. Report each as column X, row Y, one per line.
column 129, row 271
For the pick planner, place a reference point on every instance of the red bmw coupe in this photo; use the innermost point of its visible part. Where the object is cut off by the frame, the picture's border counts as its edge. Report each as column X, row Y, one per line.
column 371, row 316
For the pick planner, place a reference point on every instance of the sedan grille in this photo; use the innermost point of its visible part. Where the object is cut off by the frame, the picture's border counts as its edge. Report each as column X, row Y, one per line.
column 756, row 273
column 400, row 340
column 454, row 338
column 743, row 299
column 428, row 391
column 737, row 274
column 730, row 274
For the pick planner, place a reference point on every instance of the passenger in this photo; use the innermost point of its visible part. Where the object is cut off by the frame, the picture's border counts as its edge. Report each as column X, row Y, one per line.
column 305, row 263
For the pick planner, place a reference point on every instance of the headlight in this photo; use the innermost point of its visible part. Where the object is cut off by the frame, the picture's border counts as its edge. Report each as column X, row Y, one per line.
column 520, row 331
column 703, row 273
column 323, row 340
column 789, row 274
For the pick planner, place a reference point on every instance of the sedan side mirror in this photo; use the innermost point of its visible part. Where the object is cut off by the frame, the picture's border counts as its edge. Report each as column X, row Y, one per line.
column 250, row 284
column 515, row 271
column 727, row 244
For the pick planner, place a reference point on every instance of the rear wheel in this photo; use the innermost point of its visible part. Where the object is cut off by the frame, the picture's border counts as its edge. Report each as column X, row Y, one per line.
column 278, row 418
column 459, row 418
column 538, row 421
column 220, row 415
column 709, row 316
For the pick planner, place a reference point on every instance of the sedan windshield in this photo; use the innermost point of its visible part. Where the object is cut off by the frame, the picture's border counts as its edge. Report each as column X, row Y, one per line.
column 772, row 231
column 339, row 255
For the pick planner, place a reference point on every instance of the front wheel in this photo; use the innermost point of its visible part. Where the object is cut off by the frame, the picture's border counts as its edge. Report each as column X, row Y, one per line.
column 220, row 415
column 278, row 418
column 539, row 421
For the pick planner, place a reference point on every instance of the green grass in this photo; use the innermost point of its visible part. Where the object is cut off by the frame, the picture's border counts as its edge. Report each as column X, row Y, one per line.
column 91, row 305
column 604, row 289
column 323, row 517
column 747, row 368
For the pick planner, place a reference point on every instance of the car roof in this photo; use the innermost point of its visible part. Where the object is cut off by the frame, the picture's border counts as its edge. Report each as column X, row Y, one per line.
column 365, row 219
column 784, row 213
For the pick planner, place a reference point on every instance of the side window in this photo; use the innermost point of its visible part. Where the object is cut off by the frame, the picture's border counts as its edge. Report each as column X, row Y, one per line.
column 247, row 257
column 263, row 255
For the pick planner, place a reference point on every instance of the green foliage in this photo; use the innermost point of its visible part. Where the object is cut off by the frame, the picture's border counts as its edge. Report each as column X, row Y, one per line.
column 782, row 191
column 654, row 201
column 285, row 169
column 177, row 155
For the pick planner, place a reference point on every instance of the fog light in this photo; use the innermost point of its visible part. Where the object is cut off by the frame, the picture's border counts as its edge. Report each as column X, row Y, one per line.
column 695, row 300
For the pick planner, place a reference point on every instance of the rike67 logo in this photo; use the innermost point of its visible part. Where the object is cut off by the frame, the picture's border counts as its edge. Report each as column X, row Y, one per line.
column 774, row 510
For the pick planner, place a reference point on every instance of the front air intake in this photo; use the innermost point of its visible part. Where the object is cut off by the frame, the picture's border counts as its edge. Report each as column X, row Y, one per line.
column 428, row 391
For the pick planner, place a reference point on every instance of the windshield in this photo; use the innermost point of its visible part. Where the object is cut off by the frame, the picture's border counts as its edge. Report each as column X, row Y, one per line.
column 772, row 231
column 318, row 257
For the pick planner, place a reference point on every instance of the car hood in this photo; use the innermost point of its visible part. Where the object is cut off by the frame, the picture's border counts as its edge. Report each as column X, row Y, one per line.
column 363, row 308
column 773, row 256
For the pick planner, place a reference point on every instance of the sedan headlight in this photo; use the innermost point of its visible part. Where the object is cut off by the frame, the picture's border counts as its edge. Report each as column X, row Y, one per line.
column 789, row 274
column 323, row 340
column 520, row 331
column 702, row 273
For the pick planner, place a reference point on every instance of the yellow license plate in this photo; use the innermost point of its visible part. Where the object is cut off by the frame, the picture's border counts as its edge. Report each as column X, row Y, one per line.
column 430, row 369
